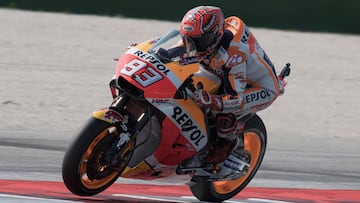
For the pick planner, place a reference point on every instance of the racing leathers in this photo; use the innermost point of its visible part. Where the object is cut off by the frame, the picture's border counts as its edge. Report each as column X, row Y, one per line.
column 249, row 77
column 249, row 80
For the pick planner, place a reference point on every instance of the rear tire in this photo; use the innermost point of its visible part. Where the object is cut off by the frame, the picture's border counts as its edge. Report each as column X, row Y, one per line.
column 82, row 169
column 255, row 139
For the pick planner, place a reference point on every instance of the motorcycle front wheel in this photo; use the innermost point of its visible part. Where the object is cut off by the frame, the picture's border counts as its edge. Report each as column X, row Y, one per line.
column 84, row 170
column 255, row 139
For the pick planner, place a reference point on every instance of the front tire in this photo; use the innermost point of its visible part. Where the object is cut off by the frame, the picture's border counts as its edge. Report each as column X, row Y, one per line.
column 83, row 171
column 255, row 139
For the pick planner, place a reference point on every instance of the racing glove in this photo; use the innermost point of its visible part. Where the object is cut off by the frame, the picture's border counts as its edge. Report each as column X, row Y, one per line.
column 206, row 100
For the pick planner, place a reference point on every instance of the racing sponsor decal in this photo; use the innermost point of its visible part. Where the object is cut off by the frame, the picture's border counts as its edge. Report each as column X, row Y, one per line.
column 231, row 105
column 115, row 117
column 158, row 101
column 142, row 73
column 256, row 96
column 154, row 61
column 234, row 60
column 188, row 127
column 161, row 101
column 237, row 57
column 152, row 71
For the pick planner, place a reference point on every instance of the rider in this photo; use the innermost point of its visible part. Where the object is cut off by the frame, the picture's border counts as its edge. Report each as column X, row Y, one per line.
column 228, row 49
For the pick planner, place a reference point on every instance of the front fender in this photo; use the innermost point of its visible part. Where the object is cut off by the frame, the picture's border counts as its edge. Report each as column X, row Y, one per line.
column 113, row 117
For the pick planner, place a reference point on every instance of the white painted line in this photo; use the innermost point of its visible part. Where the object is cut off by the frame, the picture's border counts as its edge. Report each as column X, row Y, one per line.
column 267, row 200
column 194, row 198
column 146, row 198
column 33, row 198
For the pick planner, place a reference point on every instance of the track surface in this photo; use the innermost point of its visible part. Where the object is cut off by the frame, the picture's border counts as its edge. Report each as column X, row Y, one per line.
column 34, row 165
column 145, row 193
column 54, row 71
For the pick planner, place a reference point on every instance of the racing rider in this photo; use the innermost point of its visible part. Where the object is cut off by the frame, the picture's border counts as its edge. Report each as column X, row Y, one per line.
column 250, row 84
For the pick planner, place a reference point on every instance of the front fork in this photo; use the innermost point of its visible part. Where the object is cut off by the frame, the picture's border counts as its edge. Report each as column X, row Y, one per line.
column 126, row 126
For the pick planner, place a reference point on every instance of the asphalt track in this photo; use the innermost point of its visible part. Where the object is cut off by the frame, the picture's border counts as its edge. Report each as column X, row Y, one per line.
column 311, row 157
column 55, row 192
column 31, row 172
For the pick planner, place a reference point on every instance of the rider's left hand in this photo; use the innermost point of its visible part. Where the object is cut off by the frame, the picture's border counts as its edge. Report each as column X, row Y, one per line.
column 206, row 100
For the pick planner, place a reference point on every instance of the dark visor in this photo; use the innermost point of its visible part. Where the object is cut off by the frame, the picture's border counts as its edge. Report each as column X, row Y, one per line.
column 203, row 42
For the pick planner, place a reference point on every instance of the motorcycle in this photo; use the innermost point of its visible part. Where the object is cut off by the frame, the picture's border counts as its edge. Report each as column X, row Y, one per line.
column 153, row 130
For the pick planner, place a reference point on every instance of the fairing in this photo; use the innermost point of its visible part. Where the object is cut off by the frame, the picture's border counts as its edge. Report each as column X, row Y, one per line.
column 184, row 131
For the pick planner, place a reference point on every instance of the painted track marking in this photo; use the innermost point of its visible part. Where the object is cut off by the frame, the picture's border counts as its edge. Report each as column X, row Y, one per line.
column 57, row 190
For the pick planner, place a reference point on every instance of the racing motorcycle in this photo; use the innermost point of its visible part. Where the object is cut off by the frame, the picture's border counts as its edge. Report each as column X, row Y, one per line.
column 153, row 129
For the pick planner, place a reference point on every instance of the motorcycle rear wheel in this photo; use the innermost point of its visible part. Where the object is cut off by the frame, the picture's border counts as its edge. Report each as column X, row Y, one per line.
column 83, row 172
column 255, row 139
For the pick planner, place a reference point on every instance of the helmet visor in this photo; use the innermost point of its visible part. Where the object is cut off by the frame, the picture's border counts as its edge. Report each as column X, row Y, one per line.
column 199, row 44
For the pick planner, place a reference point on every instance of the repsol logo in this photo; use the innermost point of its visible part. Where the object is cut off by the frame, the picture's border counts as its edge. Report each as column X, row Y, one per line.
column 188, row 127
column 155, row 62
column 255, row 96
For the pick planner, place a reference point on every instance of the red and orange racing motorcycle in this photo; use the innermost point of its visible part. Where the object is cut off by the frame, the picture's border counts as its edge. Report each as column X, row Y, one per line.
column 153, row 130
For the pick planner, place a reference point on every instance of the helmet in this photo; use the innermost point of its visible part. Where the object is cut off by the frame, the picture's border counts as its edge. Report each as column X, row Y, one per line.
column 201, row 30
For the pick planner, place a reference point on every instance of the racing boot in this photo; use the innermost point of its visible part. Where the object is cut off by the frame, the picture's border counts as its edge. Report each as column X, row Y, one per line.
column 236, row 164
column 220, row 150
column 229, row 129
